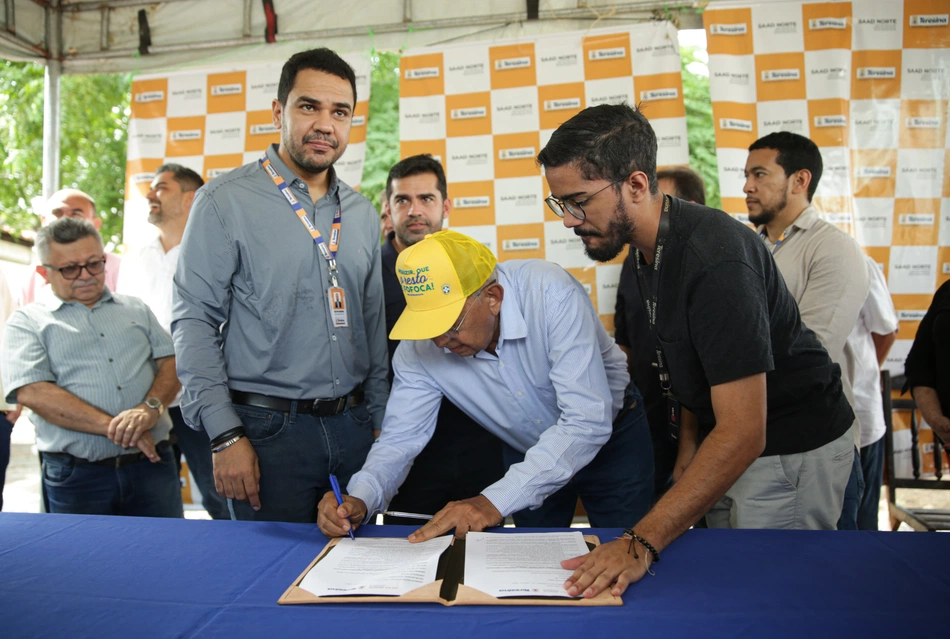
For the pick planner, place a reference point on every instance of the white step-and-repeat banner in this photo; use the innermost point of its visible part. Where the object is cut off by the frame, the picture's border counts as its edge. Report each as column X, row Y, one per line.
column 486, row 110
column 869, row 82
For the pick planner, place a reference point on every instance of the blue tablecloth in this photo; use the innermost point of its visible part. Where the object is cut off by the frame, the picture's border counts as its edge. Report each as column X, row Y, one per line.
column 90, row 576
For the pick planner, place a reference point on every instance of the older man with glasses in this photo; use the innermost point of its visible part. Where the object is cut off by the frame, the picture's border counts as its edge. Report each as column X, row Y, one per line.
column 97, row 370
column 519, row 347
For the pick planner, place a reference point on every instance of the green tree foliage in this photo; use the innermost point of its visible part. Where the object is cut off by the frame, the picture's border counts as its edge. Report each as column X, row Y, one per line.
column 699, row 124
column 95, row 119
column 382, row 132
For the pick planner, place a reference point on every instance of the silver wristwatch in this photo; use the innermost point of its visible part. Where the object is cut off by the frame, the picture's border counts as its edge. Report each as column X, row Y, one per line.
column 155, row 404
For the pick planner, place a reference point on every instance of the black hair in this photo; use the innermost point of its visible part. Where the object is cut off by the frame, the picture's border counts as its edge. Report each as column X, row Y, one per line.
column 417, row 165
column 689, row 184
column 606, row 142
column 187, row 179
column 321, row 59
column 795, row 152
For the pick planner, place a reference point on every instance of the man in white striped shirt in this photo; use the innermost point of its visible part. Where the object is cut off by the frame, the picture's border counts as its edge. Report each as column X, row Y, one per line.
column 97, row 370
column 519, row 348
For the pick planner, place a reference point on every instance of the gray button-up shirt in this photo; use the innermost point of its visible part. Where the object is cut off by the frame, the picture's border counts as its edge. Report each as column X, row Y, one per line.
column 104, row 355
column 825, row 271
column 250, row 298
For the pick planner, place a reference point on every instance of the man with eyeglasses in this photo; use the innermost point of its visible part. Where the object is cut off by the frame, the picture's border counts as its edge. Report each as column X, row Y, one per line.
column 77, row 204
column 97, row 370
column 772, row 419
column 518, row 347
column 461, row 458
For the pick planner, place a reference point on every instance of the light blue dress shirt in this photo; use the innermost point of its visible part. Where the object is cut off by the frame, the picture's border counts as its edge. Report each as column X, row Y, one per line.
column 104, row 355
column 552, row 391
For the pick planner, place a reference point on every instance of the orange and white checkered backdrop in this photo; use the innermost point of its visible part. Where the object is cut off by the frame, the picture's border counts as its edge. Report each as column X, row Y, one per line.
column 485, row 110
column 214, row 120
column 869, row 82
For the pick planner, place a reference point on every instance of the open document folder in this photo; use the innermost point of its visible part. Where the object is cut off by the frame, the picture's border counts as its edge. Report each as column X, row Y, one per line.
column 485, row 568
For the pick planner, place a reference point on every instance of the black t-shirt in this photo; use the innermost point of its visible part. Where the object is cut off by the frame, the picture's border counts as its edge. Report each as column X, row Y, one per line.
column 724, row 313
column 632, row 331
column 928, row 362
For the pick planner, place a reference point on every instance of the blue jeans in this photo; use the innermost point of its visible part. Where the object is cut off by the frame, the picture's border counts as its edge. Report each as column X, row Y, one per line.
column 141, row 489
column 853, row 493
column 296, row 454
column 196, row 447
column 616, row 487
column 6, row 429
column 872, row 465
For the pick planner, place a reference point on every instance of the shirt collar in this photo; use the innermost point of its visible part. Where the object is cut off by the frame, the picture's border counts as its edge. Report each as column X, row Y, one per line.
column 805, row 220
column 511, row 317
column 53, row 302
column 290, row 177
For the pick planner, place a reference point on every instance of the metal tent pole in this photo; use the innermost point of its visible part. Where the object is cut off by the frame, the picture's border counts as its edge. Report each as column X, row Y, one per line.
column 51, row 100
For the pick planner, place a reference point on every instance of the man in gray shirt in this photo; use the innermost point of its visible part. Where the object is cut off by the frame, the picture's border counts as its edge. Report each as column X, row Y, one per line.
column 97, row 370
column 281, row 337
column 823, row 267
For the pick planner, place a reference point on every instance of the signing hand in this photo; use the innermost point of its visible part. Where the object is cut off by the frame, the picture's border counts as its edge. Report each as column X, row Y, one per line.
column 332, row 518
column 126, row 427
column 607, row 564
column 236, row 473
column 474, row 514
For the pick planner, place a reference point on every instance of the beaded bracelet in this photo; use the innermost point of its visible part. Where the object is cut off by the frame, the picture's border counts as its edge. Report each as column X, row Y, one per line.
column 628, row 532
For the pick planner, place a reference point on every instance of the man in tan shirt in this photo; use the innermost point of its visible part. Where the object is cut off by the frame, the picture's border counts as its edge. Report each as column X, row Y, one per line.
column 824, row 267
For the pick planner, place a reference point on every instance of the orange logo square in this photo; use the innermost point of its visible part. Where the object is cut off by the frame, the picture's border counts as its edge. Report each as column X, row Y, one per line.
column 149, row 98
column 512, row 66
column 227, row 92
column 421, row 75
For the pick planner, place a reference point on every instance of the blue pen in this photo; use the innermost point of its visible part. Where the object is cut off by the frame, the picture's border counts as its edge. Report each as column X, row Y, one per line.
column 339, row 499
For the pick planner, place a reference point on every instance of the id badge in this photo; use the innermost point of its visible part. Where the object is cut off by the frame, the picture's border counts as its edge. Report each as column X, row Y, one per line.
column 673, row 417
column 337, row 301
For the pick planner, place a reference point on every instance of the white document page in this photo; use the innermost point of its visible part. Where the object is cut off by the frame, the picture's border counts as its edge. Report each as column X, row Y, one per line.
column 374, row 566
column 520, row 564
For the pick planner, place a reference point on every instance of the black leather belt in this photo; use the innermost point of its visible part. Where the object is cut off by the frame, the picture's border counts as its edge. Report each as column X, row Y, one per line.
column 316, row 407
column 114, row 462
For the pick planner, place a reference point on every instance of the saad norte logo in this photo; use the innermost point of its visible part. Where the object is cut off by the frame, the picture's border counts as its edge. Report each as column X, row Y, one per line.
column 415, row 282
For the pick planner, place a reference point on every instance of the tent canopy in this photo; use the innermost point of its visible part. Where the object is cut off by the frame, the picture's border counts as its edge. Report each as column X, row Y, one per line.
column 109, row 36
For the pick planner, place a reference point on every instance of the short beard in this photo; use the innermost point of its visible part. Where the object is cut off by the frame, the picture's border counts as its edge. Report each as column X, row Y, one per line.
column 155, row 218
column 768, row 214
column 619, row 231
column 300, row 157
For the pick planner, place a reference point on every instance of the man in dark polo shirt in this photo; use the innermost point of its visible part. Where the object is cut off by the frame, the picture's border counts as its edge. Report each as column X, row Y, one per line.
column 772, row 423
column 462, row 458
column 631, row 325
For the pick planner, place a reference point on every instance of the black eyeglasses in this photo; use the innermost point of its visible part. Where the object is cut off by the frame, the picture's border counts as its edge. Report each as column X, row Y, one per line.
column 574, row 208
column 72, row 272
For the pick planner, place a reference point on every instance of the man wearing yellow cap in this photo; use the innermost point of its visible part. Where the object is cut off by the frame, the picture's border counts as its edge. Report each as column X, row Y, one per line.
column 519, row 348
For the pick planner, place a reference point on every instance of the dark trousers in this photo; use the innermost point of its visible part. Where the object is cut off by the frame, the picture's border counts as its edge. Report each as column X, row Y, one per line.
column 196, row 448
column 853, row 494
column 6, row 429
column 296, row 454
column 140, row 489
column 872, row 466
column 460, row 461
column 616, row 487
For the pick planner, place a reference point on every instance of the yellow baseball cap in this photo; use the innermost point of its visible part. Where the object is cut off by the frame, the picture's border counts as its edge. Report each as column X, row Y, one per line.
column 437, row 275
